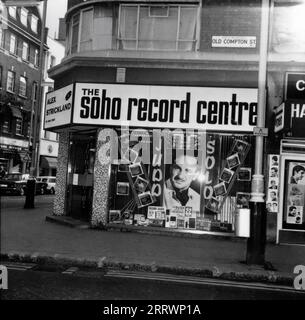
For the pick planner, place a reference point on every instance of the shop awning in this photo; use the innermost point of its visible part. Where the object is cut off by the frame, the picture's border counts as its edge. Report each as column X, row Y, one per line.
column 48, row 162
column 16, row 112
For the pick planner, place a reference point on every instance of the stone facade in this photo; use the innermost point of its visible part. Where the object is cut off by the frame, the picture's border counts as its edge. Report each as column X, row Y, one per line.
column 61, row 177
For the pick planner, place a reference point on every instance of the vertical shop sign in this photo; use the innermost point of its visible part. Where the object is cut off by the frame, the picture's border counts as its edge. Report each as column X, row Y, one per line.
column 273, row 183
column 156, row 176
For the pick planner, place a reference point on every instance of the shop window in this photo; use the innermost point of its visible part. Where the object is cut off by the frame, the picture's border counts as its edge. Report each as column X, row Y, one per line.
column 19, row 126
column 181, row 180
column 141, row 27
column 25, row 51
column 24, row 16
column 34, row 23
column 12, row 11
column 13, row 44
column 10, row 86
column 22, row 86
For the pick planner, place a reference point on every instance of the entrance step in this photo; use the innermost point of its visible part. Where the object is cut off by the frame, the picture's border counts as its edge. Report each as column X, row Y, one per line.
column 68, row 221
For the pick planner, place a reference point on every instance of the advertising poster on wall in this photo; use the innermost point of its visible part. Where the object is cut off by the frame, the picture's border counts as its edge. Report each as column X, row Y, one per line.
column 273, row 183
column 294, row 195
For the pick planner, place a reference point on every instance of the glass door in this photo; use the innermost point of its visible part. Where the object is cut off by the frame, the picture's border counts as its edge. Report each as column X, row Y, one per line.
column 80, row 177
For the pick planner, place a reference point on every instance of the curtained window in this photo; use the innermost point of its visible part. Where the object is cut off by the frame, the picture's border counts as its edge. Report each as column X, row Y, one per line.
column 144, row 27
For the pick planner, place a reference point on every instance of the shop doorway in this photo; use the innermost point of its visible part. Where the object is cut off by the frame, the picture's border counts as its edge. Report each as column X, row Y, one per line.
column 80, row 178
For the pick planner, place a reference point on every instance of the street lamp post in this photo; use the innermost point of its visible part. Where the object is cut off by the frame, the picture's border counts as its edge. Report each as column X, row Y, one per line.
column 257, row 241
column 34, row 171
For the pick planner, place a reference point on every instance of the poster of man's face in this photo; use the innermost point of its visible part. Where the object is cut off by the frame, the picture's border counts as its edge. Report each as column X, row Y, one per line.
column 183, row 172
column 297, row 173
column 182, row 187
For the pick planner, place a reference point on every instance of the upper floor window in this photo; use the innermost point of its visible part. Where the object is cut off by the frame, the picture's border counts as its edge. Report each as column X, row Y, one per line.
column 36, row 58
column 90, row 29
column 52, row 61
column 34, row 23
column 22, row 86
column 12, row 11
column 25, row 51
column 34, row 92
column 6, row 125
column 1, row 37
column 0, row 76
column 19, row 126
column 141, row 27
column 13, row 46
column 24, row 16
column 10, row 85
column 74, row 34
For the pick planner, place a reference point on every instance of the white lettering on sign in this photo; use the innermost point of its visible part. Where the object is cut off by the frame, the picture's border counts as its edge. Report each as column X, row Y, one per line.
column 234, row 41
column 300, row 85
column 297, row 110
column 58, row 107
column 199, row 108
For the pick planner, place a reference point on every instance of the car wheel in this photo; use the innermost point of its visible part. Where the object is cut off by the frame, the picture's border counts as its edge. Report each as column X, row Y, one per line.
column 21, row 192
column 52, row 191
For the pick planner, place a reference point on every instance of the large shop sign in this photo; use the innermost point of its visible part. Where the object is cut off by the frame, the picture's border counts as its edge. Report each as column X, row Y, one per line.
column 199, row 108
column 290, row 116
column 58, row 107
column 295, row 86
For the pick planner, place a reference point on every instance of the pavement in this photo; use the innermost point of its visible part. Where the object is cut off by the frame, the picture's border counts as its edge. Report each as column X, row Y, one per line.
column 26, row 236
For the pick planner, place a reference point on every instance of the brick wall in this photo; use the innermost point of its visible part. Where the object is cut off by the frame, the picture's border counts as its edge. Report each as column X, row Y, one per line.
column 229, row 20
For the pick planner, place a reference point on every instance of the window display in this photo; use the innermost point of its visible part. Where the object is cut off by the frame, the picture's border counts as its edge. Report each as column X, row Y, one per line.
column 294, row 195
column 273, row 183
column 185, row 185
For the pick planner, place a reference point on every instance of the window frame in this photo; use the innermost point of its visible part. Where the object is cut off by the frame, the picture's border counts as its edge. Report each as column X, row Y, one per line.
column 178, row 40
column 1, row 38
column 19, row 126
column 23, row 87
column 12, row 11
column 13, row 82
column 25, row 55
column 14, row 44
column 24, row 16
column 36, row 58
column 34, row 18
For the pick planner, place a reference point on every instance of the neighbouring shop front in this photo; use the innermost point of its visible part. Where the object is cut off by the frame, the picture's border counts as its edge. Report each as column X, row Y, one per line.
column 287, row 169
column 146, row 156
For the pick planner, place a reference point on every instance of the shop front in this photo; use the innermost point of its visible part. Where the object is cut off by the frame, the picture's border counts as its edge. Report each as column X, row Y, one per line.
column 289, row 123
column 171, row 158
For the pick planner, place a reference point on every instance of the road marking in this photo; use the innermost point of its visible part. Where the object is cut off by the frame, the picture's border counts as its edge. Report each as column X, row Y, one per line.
column 19, row 266
column 70, row 270
column 199, row 281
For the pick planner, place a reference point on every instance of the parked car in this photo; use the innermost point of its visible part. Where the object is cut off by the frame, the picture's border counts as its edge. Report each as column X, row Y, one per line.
column 15, row 183
column 50, row 181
